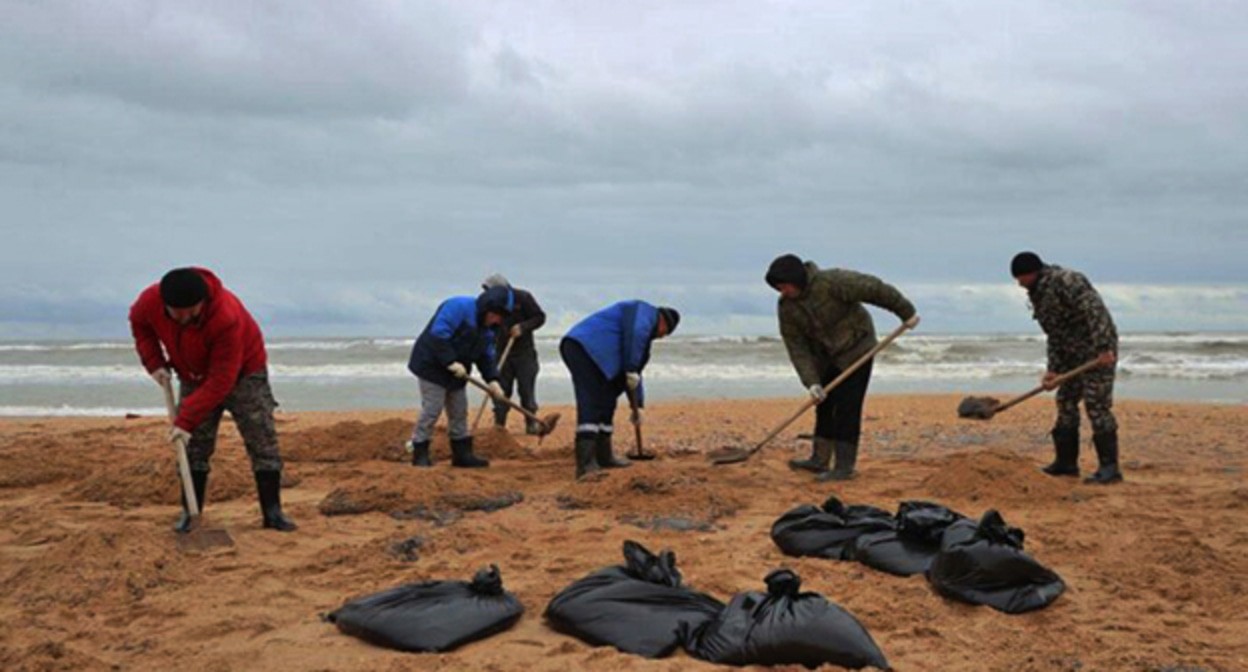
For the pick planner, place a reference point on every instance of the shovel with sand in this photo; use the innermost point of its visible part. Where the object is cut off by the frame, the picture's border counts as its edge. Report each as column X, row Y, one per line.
column 197, row 538
column 985, row 408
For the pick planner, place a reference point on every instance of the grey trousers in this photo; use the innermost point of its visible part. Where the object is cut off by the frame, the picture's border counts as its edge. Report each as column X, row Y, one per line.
column 433, row 399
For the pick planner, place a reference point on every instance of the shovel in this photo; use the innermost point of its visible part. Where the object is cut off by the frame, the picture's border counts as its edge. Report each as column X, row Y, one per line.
column 546, row 424
column 502, row 361
column 639, row 453
column 984, row 408
column 197, row 538
column 735, row 454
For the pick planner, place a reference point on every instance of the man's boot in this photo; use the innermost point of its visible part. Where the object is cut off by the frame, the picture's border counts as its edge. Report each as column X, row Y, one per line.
column 269, row 485
column 820, row 455
column 531, row 426
column 846, row 458
column 500, row 417
column 461, row 454
column 604, row 456
column 1107, row 456
column 420, row 453
column 1066, row 449
column 586, row 443
column 199, row 481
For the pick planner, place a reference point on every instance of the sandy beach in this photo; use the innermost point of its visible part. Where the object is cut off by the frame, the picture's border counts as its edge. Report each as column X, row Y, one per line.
column 1157, row 568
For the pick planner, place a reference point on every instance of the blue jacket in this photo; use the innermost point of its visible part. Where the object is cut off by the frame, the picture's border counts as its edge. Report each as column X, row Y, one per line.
column 618, row 338
column 457, row 333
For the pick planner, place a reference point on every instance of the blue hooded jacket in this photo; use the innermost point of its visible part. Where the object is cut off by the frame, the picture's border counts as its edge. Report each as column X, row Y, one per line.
column 457, row 333
column 618, row 338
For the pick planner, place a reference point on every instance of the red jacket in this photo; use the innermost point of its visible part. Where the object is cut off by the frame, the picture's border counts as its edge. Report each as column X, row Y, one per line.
column 223, row 345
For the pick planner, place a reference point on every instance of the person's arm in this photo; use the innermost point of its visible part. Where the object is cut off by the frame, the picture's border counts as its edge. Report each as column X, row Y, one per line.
column 1085, row 302
column 446, row 322
column 225, row 359
column 530, row 307
column 146, row 342
column 801, row 351
column 855, row 287
column 487, row 363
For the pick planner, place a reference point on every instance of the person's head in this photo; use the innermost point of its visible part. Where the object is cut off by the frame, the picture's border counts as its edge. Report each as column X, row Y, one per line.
column 1025, row 267
column 668, row 319
column 494, row 305
column 787, row 275
column 495, row 280
column 183, row 292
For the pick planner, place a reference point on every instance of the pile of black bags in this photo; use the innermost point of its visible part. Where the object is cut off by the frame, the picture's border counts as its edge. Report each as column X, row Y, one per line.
column 431, row 615
column 907, row 549
column 828, row 531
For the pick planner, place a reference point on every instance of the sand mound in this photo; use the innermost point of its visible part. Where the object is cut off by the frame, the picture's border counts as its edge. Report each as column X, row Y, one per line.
column 355, row 441
column 155, row 481
column 653, row 495
column 22, row 471
column 440, row 495
column 49, row 656
column 100, row 567
column 991, row 476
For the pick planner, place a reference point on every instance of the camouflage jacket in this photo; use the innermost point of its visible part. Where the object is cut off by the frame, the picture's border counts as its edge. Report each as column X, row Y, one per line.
column 1073, row 317
column 828, row 325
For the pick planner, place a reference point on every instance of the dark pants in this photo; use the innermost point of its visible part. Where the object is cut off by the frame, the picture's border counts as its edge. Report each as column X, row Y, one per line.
column 251, row 404
column 596, row 396
column 520, row 371
column 839, row 417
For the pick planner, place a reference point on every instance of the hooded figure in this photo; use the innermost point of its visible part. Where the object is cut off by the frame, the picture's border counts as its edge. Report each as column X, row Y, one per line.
column 522, row 365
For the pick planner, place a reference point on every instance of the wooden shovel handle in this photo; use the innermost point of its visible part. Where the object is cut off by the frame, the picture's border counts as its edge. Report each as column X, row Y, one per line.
column 486, row 389
column 502, row 361
column 184, row 463
column 1082, row 368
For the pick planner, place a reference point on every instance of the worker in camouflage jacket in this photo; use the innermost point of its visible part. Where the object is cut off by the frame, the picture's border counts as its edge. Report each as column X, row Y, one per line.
column 1078, row 328
column 826, row 328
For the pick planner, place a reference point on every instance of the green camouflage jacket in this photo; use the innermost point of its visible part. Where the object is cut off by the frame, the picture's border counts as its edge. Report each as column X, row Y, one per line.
column 1073, row 317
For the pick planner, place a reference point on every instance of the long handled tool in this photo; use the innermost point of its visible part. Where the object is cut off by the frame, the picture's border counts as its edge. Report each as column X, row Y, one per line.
column 197, row 538
column 984, row 408
column 735, row 454
column 502, row 361
column 546, row 425
column 638, row 453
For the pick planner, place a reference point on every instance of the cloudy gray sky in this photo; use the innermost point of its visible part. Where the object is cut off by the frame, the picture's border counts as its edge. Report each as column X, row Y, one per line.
column 344, row 166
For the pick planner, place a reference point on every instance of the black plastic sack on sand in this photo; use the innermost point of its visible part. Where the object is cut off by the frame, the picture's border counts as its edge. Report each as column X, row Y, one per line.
column 431, row 615
column 984, row 563
column 785, row 627
column 828, row 531
column 909, row 549
column 639, row 607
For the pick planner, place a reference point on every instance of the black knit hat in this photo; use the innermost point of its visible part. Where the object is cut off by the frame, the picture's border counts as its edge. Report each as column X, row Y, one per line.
column 1024, row 263
column 671, row 317
column 183, row 288
column 787, row 269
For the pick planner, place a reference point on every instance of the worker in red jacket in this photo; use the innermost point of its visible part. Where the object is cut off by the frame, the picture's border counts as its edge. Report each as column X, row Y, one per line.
column 191, row 324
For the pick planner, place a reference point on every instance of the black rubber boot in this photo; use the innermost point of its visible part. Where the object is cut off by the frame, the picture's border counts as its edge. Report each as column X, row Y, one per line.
column 1066, row 450
column 586, row 444
column 500, row 417
column 531, row 426
column 820, row 455
column 199, row 481
column 1107, row 456
column 604, row 456
column 269, row 485
column 461, row 454
column 420, row 453
column 846, row 458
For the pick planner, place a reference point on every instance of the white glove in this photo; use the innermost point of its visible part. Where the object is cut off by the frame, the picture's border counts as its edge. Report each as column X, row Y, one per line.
column 161, row 376
column 178, row 435
column 633, row 380
column 458, row 370
column 496, row 391
column 517, row 331
column 817, row 393
column 637, row 417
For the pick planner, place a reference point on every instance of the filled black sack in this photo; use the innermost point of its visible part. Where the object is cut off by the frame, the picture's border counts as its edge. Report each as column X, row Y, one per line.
column 431, row 615
column 638, row 607
column 785, row 627
column 909, row 549
column 828, row 531
column 984, row 563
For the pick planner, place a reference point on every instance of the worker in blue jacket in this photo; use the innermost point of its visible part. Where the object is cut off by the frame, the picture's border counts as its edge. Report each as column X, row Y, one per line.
column 460, row 334
column 606, row 353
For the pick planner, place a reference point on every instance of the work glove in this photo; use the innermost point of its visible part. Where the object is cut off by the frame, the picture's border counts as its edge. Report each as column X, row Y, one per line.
column 161, row 376
column 1048, row 382
column 458, row 370
column 1107, row 358
column 817, row 393
column 633, row 380
column 517, row 331
column 496, row 390
column 636, row 417
column 912, row 322
column 178, row 435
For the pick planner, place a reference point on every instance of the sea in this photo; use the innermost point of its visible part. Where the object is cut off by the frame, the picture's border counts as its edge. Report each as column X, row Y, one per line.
column 104, row 378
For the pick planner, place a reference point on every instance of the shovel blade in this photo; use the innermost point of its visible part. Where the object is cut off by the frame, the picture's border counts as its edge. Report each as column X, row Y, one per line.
column 640, row 457
column 978, row 408
column 201, row 539
column 729, row 455
column 547, row 425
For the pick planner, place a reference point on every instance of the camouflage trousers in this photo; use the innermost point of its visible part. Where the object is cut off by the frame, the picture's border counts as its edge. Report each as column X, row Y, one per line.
column 1096, row 389
column 251, row 404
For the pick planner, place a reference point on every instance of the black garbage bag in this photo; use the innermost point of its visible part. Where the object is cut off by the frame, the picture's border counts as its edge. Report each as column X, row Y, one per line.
column 785, row 627
column 909, row 549
column 431, row 615
column 639, row 607
column 829, row 531
column 984, row 563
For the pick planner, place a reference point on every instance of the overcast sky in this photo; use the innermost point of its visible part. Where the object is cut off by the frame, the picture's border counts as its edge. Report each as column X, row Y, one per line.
column 345, row 166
